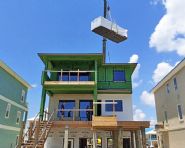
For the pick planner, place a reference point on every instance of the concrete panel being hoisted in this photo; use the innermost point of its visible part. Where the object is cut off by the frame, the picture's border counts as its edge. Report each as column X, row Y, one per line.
column 108, row 29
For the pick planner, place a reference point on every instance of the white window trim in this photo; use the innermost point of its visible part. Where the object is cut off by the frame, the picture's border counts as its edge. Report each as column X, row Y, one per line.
column 178, row 113
column 18, row 113
column 8, row 107
column 114, row 100
column 23, row 95
column 17, row 140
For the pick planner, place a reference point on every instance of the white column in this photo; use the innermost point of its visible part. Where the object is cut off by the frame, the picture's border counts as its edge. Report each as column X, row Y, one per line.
column 94, row 139
column 66, row 137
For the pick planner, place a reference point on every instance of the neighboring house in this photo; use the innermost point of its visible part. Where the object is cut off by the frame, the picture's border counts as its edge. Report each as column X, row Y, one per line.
column 151, row 138
column 90, row 103
column 13, row 105
column 170, row 102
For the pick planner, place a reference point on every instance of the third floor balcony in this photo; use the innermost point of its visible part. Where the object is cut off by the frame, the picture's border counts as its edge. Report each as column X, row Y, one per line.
column 58, row 81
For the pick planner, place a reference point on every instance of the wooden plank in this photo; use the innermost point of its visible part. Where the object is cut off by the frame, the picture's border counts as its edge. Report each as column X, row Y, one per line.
column 69, row 83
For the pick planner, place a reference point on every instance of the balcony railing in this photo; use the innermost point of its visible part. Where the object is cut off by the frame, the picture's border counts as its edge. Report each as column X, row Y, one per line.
column 69, row 76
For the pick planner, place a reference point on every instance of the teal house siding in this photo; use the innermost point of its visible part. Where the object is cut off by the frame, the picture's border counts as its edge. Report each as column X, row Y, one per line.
column 13, row 91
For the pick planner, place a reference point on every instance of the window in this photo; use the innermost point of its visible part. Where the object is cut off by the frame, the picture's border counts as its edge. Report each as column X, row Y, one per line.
column 18, row 117
column 7, row 114
column 154, row 137
column 23, row 95
column 166, row 116
column 175, row 83
column 119, row 75
column 63, row 105
column 167, row 88
column 179, row 109
column 118, row 106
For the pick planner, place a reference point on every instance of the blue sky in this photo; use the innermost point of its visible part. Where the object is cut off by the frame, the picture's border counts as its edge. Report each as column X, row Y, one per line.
column 32, row 26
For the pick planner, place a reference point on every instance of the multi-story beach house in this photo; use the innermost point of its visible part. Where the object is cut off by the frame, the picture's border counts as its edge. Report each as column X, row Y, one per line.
column 13, row 106
column 90, row 104
column 170, row 102
column 151, row 139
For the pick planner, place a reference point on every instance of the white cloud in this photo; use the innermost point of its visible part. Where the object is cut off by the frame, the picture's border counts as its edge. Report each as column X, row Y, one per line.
column 134, row 58
column 161, row 71
column 169, row 34
column 135, row 76
column 147, row 98
column 139, row 115
column 33, row 85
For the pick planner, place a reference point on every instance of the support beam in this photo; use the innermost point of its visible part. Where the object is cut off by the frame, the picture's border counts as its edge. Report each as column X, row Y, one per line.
column 120, row 144
column 115, row 138
column 143, row 137
column 104, row 39
column 94, row 139
column 132, row 139
column 66, row 134
column 42, row 104
column 137, row 139
column 95, row 89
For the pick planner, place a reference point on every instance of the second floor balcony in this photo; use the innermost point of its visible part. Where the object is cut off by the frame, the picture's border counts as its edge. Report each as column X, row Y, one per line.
column 61, row 81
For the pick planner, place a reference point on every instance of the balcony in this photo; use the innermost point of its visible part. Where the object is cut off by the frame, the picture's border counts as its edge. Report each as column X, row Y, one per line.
column 69, row 81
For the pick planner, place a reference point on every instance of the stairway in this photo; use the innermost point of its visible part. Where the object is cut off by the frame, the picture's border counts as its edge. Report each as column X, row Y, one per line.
column 38, row 135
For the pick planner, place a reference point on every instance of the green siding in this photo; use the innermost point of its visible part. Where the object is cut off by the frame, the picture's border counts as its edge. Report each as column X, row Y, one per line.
column 11, row 88
column 8, row 138
column 11, row 121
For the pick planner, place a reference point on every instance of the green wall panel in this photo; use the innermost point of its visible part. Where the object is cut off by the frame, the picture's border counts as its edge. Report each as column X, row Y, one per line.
column 10, row 87
column 11, row 121
column 8, row 138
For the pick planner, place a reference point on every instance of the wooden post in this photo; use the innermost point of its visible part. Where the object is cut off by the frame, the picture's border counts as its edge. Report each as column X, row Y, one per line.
column 61, row 75
column 132, row 139
column 94, row 139
column 30, row 130
column 143, row 137
column 137, row 139
column 66, row 137
column 78, row 78
column 37, row 130
column 113, row 108
column 120, row 144
column 21, row 134
column 115, row 138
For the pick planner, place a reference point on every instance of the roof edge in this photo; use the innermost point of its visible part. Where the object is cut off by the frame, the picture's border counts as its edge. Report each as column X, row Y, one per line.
column 14, row 74
column 174, row 71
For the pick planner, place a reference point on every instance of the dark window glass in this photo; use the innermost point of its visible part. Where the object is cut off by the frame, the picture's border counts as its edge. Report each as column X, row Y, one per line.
column 153, row 137
column 168, row 88
column 166, row 116
column 65, row 76
column 119, row 75
column 86, row 115
column 84, row 76
column 118, row 106
column 108, row 107
column 175, row 83
column 73, row 76
column 66, row 104
column 180, row 112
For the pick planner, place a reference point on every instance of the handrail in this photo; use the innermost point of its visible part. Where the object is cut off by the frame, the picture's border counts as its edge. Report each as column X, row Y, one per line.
column 45, row 127
column 32, row 127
